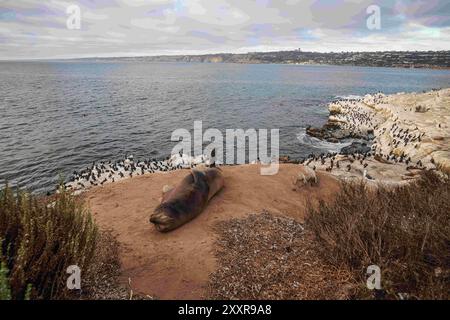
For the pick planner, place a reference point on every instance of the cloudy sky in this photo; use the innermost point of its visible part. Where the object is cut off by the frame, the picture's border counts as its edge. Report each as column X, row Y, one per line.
column 38, row 28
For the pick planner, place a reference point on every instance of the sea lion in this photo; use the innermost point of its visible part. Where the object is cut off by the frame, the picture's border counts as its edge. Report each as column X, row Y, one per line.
column 187, row 200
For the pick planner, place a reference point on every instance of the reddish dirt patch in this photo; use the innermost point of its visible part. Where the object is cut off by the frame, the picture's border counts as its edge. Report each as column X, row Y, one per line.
column 177, row 265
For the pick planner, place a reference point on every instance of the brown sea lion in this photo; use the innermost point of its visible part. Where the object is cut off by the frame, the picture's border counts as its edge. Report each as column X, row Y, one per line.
column 187, row 200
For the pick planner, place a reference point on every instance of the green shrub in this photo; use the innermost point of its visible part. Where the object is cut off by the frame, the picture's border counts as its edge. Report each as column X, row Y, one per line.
column 5, row 290
column 39, row 240
column 403, row 230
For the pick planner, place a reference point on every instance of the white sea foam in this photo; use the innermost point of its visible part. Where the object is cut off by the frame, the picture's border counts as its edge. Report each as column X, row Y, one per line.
column 314, row 142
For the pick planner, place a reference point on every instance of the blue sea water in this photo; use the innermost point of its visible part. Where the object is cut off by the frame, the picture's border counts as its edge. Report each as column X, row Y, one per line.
column 56, row 117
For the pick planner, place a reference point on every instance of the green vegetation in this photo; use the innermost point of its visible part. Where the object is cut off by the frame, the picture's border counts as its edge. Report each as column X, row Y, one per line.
column 39, row 240
column 403, row 230
column 5, row 290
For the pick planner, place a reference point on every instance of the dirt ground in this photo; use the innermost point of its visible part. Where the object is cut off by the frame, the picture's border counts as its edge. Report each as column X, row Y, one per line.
column 178, row 264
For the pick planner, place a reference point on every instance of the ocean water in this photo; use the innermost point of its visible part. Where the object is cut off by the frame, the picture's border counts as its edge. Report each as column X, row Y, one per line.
column 57, row 117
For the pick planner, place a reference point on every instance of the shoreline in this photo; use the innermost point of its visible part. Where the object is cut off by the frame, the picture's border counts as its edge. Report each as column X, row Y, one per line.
column 127, row 60
column 399, row 136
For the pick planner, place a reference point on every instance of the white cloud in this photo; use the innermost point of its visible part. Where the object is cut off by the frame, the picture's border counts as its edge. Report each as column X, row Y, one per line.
column 93, row 16
column 147, row 27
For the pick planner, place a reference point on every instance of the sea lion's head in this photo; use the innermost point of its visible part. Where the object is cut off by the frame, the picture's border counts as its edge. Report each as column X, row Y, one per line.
column 162, row 219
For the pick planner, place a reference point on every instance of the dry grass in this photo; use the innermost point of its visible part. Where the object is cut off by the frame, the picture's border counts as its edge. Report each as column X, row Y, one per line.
column 405, row 231
column 39, row 241
column 101, row 281
column 270, row 257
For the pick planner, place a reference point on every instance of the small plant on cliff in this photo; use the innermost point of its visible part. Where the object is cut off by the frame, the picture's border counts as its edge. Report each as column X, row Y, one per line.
column 39, row 240
column 403, row 230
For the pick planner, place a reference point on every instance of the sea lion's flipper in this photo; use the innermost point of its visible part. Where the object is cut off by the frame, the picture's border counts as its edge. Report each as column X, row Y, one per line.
column 201, row 184
column 198, row 176
column 214, row 178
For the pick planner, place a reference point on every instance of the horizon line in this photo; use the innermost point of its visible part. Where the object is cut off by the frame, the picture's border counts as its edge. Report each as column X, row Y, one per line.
column 202, row 54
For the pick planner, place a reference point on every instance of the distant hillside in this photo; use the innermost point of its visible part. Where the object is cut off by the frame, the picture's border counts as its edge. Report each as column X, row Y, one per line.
column 401, row 59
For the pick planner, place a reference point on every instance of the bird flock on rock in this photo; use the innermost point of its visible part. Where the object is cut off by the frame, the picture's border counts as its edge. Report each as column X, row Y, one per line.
column 103, row 172
column 336, row 161
column 354, row 116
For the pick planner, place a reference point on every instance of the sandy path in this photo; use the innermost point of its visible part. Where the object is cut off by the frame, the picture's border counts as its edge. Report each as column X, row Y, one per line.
column 177, row 265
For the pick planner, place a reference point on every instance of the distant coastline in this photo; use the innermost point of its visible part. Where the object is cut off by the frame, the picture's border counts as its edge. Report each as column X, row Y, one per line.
column 387, row 59
column 393, row 59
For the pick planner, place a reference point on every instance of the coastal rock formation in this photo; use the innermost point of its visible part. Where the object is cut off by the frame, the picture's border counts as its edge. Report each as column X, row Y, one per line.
column 356, row 147
column 421, row 136
column 406, row 131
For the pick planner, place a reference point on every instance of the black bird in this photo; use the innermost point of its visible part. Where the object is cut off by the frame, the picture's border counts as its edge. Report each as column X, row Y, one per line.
column 213, row 158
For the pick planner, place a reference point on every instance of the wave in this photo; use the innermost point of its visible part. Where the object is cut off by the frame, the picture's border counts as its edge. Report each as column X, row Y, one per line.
column 314, row 142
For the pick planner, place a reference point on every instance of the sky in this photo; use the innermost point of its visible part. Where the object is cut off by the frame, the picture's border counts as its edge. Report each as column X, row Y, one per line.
column 35, row 29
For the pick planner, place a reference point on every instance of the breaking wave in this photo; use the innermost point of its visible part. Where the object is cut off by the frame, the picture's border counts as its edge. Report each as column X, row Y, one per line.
column 314, row 142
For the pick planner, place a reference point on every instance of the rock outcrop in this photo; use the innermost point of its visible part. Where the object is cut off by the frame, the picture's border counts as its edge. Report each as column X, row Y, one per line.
column 408, row 130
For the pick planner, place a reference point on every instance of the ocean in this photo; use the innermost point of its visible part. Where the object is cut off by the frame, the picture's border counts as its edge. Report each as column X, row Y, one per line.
column 60, row 116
